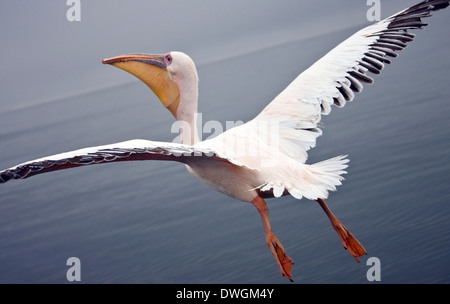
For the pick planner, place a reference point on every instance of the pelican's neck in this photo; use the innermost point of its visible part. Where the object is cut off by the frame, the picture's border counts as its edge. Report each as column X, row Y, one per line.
column 187, row 112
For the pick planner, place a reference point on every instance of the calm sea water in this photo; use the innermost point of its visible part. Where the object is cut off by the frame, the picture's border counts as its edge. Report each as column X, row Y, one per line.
column 151, row 222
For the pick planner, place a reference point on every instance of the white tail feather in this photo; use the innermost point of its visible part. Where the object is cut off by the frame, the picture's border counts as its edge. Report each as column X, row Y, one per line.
column 321, row 177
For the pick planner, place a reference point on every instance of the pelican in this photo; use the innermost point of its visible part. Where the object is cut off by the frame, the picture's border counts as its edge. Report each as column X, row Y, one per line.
column 265, row 157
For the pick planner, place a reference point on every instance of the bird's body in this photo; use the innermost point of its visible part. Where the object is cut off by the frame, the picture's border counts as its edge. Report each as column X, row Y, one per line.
column 259, row 167
column 265, row 157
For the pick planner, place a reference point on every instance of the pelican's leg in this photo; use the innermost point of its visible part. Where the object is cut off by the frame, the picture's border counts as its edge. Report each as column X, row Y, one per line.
column 348, row 240
column 283, row 260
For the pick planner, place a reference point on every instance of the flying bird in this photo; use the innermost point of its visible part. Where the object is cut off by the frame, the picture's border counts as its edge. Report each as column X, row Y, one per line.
column 265, row 157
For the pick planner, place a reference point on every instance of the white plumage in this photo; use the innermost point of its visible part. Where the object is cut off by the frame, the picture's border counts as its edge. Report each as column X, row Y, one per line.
column 266, row 157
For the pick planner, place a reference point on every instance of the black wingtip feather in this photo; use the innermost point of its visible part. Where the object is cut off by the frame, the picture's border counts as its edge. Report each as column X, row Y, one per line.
column 4, row 177
column 391, row 40
column 440, row 6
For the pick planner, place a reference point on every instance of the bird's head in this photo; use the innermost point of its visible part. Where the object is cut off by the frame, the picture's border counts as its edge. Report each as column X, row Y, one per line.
column 168, row 75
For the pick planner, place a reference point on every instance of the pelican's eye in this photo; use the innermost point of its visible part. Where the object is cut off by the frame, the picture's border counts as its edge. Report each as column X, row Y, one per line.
column 168, row 59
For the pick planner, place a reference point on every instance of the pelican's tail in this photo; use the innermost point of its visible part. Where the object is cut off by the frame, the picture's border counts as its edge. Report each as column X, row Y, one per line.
column 316, row 180
column 327, row 174
column 309, row 181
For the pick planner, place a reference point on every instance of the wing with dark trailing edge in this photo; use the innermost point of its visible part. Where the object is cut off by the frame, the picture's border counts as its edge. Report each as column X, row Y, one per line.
column 132, row 150
column 336, row 77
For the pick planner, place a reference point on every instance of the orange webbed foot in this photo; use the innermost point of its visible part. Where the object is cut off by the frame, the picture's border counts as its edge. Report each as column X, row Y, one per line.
column 348, row 240
column 353, row 246
column 283, row 260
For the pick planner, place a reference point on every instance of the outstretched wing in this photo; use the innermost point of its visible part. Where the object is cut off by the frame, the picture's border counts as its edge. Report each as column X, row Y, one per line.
column 132, row 150
column 336, row 77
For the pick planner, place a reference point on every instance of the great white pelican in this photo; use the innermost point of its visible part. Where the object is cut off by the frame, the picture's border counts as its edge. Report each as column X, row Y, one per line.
column 265, row 157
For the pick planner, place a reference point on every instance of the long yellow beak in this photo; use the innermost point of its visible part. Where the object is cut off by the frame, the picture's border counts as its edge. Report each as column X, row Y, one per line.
column 152, row 70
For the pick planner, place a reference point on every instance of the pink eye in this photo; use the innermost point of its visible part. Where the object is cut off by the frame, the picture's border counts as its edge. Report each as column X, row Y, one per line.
column 168, row 59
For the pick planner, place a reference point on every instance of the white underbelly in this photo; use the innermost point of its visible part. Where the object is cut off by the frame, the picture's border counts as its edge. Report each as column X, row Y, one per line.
column 237, row 182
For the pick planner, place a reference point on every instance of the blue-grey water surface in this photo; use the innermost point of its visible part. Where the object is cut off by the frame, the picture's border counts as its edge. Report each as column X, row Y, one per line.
column 151, row 222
